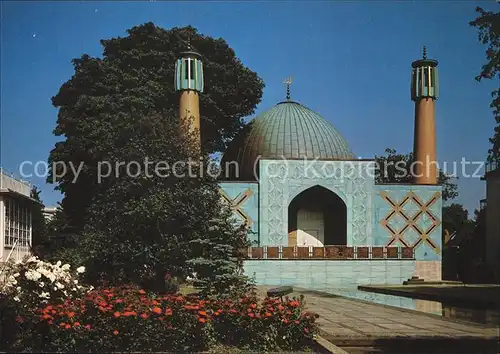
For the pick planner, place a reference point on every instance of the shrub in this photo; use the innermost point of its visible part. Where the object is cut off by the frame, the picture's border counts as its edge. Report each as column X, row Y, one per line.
column 130, row 319
column 30, row 283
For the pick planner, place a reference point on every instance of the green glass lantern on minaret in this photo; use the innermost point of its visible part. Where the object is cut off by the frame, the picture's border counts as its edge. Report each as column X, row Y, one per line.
column 189, row 84
column 424, row 78
column 424, row 92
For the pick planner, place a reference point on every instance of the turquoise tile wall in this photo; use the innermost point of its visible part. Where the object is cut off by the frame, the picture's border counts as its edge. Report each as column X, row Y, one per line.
column 382, row 236
column 324, row 275
column 250, row 206
column 282, row 180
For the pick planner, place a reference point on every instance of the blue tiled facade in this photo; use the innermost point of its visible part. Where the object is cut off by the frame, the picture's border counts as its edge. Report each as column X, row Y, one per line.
column 244, row 200
column 326, row 275
column 377, row 215
column 419, row 205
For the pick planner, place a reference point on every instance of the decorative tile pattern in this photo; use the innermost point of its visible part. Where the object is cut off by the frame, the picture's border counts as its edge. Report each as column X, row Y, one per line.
column 243, row 199
column 417, row 226
column 281, row 181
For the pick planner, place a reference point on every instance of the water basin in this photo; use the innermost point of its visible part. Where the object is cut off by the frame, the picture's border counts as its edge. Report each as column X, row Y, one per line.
column 482, row 316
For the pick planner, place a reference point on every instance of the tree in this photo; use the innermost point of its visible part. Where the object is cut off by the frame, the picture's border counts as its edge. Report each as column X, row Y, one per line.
column 38, row 224
column 146, row 222
column 488, row 26
column 396, row 168
column 456, row 220
column 100, row 105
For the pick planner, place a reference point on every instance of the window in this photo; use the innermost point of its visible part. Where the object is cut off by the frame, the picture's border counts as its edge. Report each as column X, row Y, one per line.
column 189, row 68
column 191, row 62
column 17, row 223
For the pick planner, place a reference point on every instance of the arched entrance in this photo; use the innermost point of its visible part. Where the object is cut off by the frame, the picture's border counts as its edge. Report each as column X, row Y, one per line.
column 317, row 217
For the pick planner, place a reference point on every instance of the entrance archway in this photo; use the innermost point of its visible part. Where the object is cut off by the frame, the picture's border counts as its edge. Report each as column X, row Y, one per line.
column 317, row 217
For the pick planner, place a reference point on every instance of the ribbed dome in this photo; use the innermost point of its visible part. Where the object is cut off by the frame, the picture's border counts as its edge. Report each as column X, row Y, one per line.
column 290, row 131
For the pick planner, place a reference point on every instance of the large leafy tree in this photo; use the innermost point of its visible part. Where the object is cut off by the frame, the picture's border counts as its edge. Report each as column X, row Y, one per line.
column 394, row 167
column 150, row 220
column 101, row 105
column 488, row 26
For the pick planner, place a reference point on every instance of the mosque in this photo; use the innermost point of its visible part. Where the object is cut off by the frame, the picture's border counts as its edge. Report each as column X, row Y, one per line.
column 314, row 214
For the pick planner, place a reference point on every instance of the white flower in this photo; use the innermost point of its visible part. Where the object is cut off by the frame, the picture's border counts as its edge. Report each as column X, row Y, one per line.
column 55, row 288
column 58, row 264
column 66, row 267
column 75, row 281
column 16, row 298
column 18, row 288
column 59, row 285
column 80, row 269
column 16, row 275
column 41, row 284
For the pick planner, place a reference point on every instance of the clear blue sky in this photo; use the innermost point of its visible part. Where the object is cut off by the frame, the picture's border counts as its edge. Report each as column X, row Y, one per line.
column 350, row 62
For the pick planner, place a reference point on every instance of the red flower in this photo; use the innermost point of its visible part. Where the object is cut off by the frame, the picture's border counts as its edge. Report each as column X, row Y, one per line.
column 68, row 326
column 115, row 332
column 251, row 314
column 19, row 319
column 202, row 320
column 306, row 330
column 142, row 292
column 76, row 324
column 71, row 314
column 253, row 306
column 143, row 315
column 157, row 310
column 88, row 326
column 268, row 314
column 168, row 312
column 297, row 322
column 117, row 314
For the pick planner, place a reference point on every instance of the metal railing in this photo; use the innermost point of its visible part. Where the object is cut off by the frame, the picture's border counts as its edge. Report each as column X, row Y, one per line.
column 329, row 252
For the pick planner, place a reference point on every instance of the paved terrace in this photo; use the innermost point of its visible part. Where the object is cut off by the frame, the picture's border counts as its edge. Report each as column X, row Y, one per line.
column 357, row 325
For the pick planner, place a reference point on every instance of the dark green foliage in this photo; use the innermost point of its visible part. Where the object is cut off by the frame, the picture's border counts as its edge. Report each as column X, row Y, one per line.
column 101, row 106
column 456, row 220
column 38, row 223
column 218, row 259
column 488, row 26
column 396, row 168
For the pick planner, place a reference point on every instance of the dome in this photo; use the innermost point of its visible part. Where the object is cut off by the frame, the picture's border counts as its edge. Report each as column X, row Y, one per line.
column 289, row 131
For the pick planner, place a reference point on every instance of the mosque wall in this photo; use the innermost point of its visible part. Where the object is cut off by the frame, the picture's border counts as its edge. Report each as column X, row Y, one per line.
column 410, row 216
column 243, row 198
column 329, row 275
column 282, row 180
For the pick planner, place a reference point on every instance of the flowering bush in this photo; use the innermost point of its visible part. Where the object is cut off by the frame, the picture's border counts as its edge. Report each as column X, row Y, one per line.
column 129, row 319
column 29, row 284
column 32, row 282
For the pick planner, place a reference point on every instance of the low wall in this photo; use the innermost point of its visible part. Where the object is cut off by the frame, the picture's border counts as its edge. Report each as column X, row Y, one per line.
column 326, row 274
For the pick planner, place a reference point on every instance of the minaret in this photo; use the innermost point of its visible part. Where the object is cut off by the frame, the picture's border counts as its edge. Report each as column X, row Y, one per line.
column 189, row 83
column 424, row 92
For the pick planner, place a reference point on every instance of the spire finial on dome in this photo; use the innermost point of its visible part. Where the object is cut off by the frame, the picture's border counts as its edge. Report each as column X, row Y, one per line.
column 288, row 81
column 424, row 52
